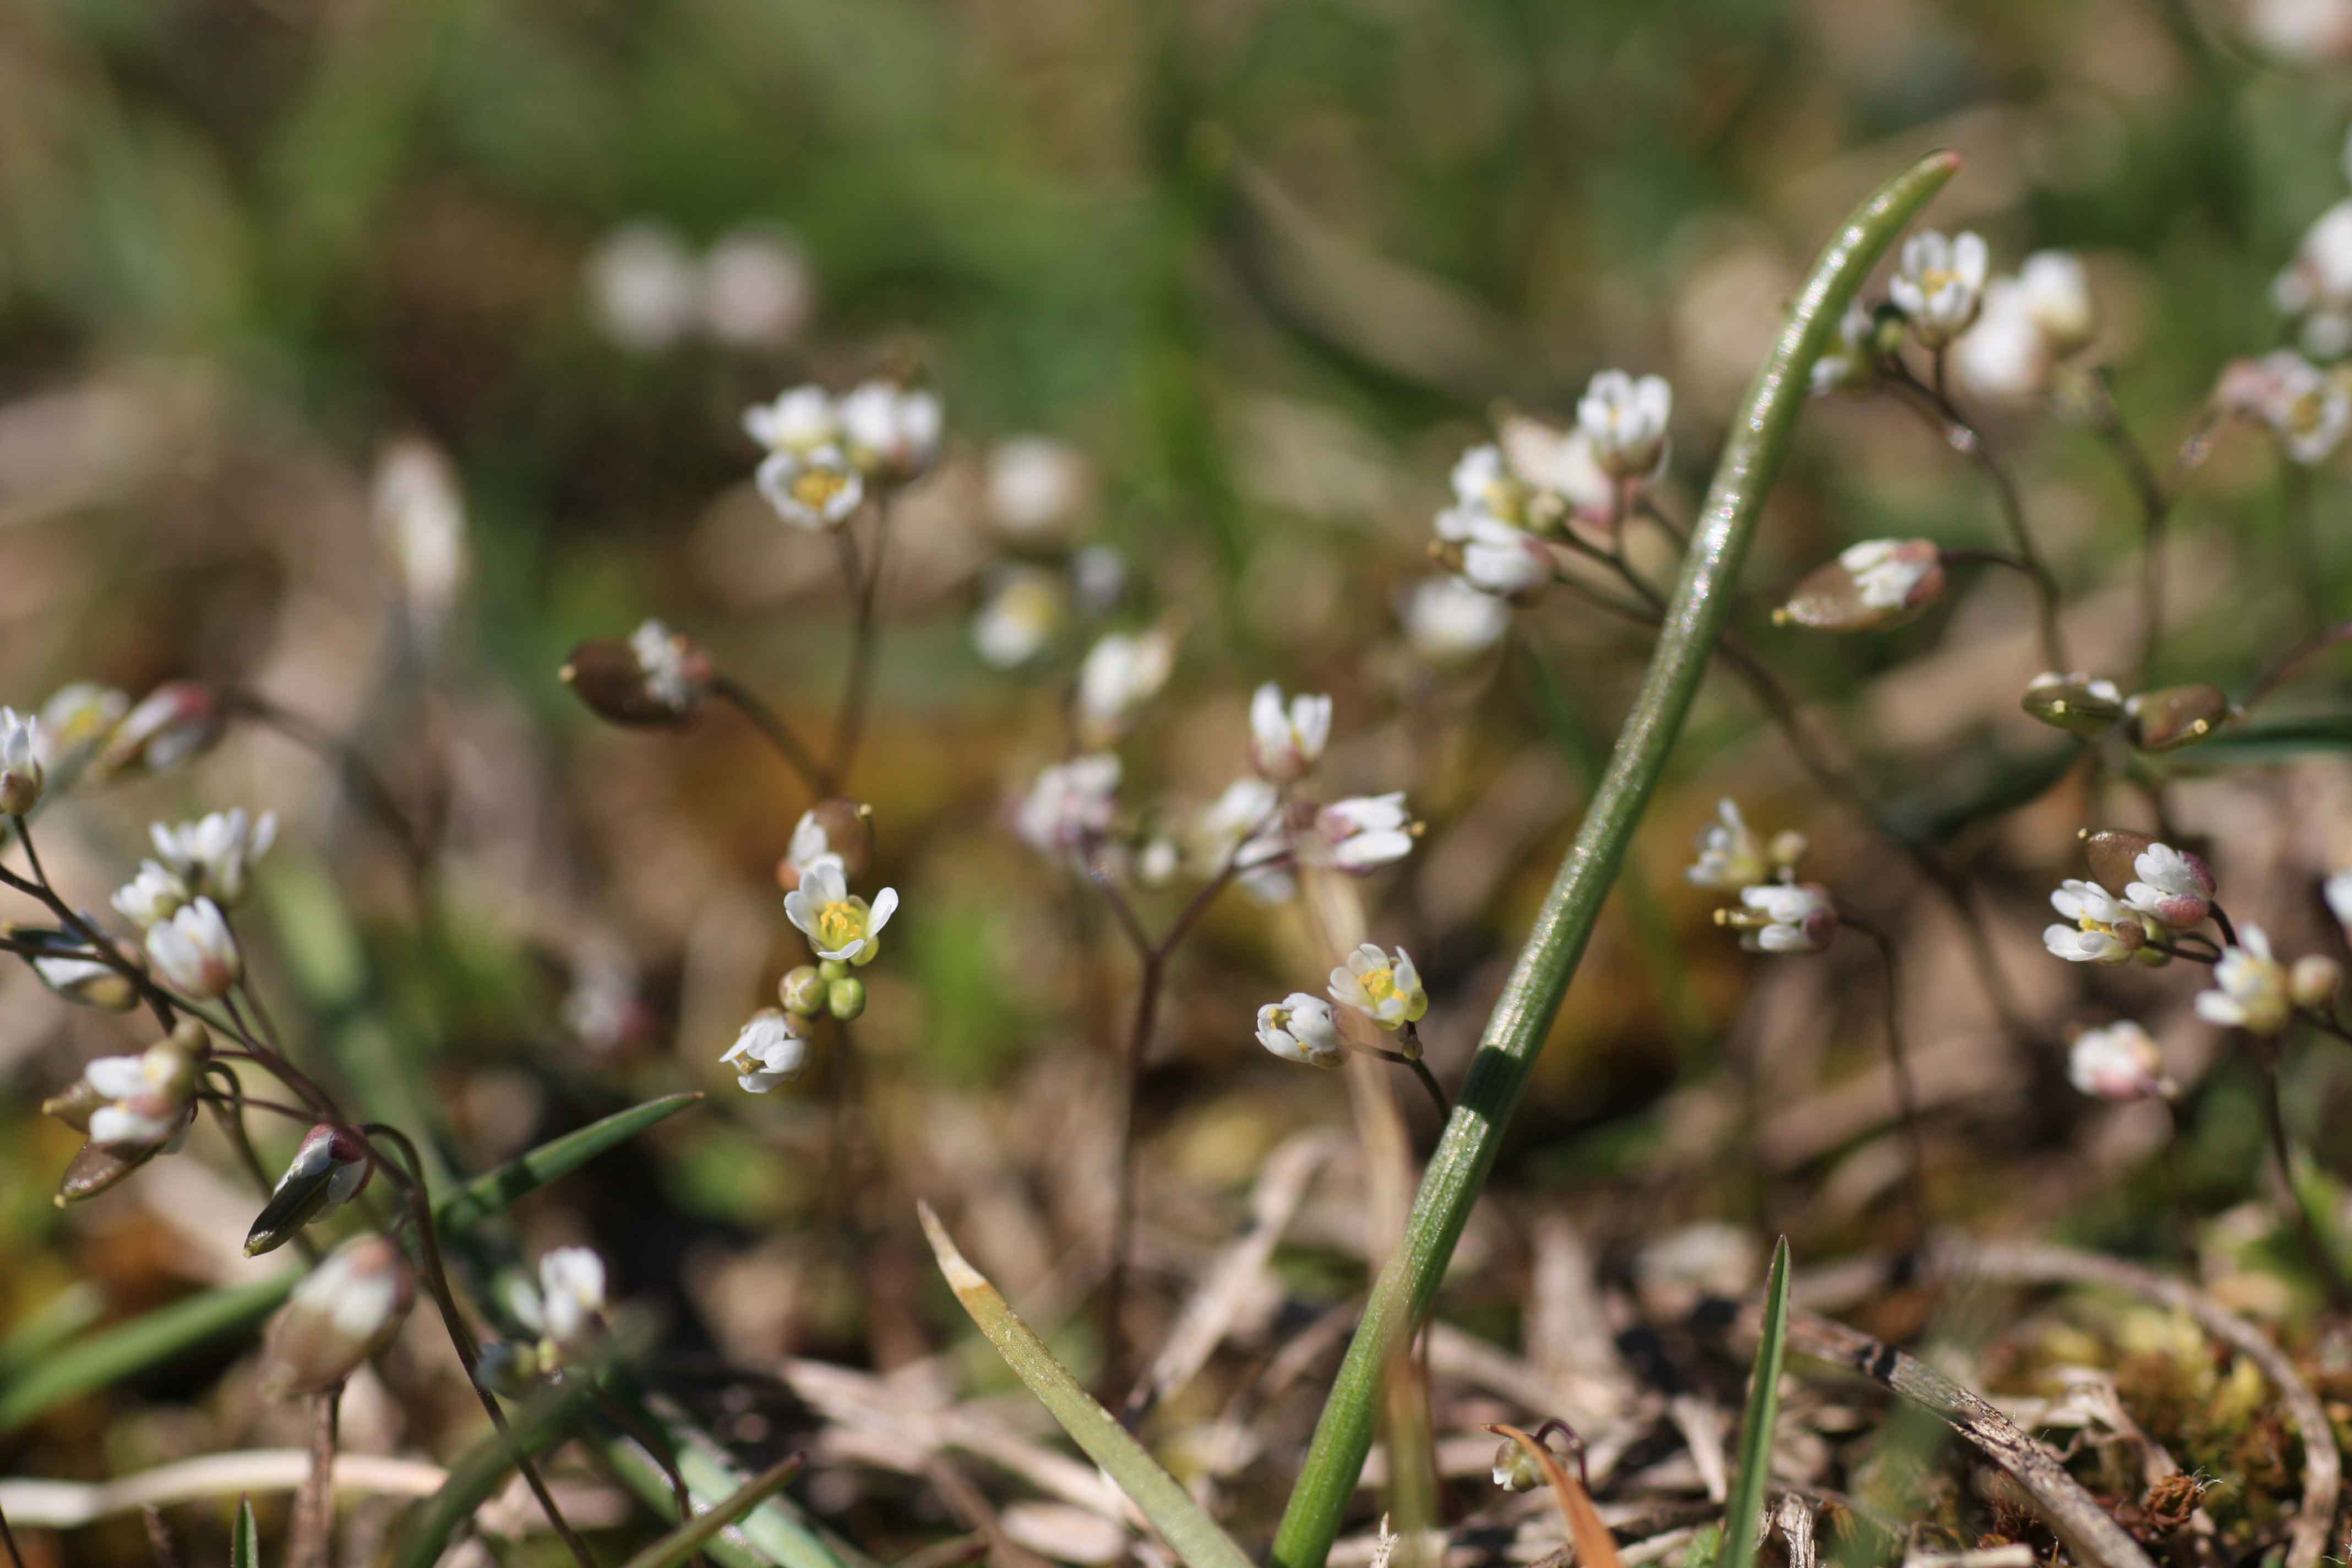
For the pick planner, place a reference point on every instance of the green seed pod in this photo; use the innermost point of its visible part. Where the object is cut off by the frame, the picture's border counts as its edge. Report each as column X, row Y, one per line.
column 2078, row 704
column 2176, row 715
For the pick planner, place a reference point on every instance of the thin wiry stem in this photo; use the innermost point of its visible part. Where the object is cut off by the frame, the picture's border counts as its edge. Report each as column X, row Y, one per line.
column 1420, row 1070
column 864, row 584
column 780, row 736
column 2105, row 422
column 1906, row 1087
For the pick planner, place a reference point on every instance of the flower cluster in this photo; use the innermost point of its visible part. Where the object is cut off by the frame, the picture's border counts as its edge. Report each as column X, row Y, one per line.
column 2171, row 891
column 1378, row 984
column 2306, row 409
column 130, row 1109
column 2006, row 336
column 1776, row 914
column 822, row 452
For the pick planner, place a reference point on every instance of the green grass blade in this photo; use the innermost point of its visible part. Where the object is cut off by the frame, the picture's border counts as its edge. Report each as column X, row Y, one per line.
column 1742, row 1520
column 537, row 1424
column 690, row 1538
column 113, row 1353
column 1531, row 997
column 1192, row 1534
column 244, row 1542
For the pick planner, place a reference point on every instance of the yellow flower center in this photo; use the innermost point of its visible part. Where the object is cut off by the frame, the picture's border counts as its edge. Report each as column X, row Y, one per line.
column 2304, row 413
column 838, row 925
column 816, row 488
column 1379, row 984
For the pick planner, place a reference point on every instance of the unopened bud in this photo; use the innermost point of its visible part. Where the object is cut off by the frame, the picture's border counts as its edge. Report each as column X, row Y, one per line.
column 325, row 1172
column 1514, row 1468
column 342, row 1314
column 845, row 998
column 803, row 991
column 2079, row 704
column 2314, row 981
column 20, row 763
column 176, row 722
column 1876, row 583
column 2176, row 715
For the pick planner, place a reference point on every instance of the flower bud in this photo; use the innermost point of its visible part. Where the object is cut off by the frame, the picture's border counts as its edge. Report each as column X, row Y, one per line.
column 194, row 952
column 1514, row 1468
column 2078, row 704
column 327, row 1171
column 655, row 678
column 845, row 999
column 2176, row 715
column 803, row 991
column 833, row 827
column 342, row 1314
column 1876, row 583
column 2314, row 981
column 20, row 763
column 178, row 721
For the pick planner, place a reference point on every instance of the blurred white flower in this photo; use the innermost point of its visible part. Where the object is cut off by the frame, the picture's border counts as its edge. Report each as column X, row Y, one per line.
column 420, row 519
column 2319, row 276
column 2118, row 1062
column 1939, row 284
column 147, row 1098
column 88, row 981
column 1384, row 987
column 1098, row 578
column 342, row 1313
column 568, row 1305
column 2307, row 409
column 1070, row 804
column 212, row 855
column 1728, row 854
column 1121, row 673
column 2250, row 987
column 2099, row 915
column 814, row 486
column 1359, row 833
column 644, row 288
column 666, row 660
column 76, row 717
column 1798, row 916
column 1558, row 468
column 892, row 431
column 1299, row 1028
column 771, row 1049
column 2300, row 32
column 2004, row 356
column 1286, row 740
column 21, row 773
column 194, row 953
column 2175, row 888
column 2337, row 890
column 1022, row 613
column 155, row 894
column 2056, row 293
column 758, row 288
column 177, row 721
column 1036, row 486
column 839, row 925
column 1853, row 362
column 800, row 419
column 1449, row 622
column 1497, row 557
column 1626, row 420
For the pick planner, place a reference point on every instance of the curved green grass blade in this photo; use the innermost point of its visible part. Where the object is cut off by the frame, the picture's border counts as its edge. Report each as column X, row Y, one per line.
column 1192, row 1534
column 679, row 1545
column 113, row 1353
column 541, row 1422
column 1744, row 1518
column 245, row 1541
column 1531, row 997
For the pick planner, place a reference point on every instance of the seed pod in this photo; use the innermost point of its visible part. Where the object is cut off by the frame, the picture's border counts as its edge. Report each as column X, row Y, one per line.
column 2079, row 704
column 609, row 676
column 1514, row 1468
column 2111, row 852
column 1871, row 585
column 98, row 1166
column 342, row 1313
column 325, row 1174
column 2176, row 715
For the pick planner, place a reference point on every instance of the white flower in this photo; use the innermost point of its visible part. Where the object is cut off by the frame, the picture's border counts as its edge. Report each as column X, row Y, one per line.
column 1384, row 987
column 1557, row 468
column 2320, row 275
column 800, row 420
column 1450, row 622
column 1497, row 557
column 2096, row 914
column 2057, row 296
column 1728, row 854
column 2175, row 889
column 1939, row 284
column 1070, row 804
column 2118, row 1062
column 193, row 951
column 1481, row 482
column 155, row 894
column 1286, row 741
column 758, row 288
column 342, row 1314
column 1246, row 811
column 1886, row 574
column 642, row 287
column 569, row 1303
column 811, row 487
column 1024, row 611
column 2337, row 890
column 177, row 721
column 147, row 1099
column 1036, row 486
column 1627, row 422
column 21, row 773
column 212, row 855
column 1853, row 363
column 1299, row 1028
column 2005, row 354
column 1121, row 673
column 2305, row 408
column 663, row 661
column 419, row 514
column 1361, row 833
column 839, row 926
column 891, row 430
column 77, row 716
column 1798, row 916
column 88, row 981
column 2301, row 32
column 2250, row 987
column 769, row 1050
column 808, row 840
